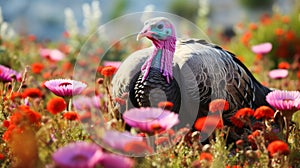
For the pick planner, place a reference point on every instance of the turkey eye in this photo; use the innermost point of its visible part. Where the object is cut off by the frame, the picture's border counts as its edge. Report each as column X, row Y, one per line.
column 160, row 26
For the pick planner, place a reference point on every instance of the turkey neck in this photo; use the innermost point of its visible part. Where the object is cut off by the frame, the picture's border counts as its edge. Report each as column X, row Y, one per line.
column 161, row 58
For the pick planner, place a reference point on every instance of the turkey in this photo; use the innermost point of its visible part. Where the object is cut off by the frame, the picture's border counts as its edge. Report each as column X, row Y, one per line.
column 187, row 72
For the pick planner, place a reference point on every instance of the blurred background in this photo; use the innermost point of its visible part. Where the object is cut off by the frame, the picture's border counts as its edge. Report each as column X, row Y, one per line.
column 46, row 18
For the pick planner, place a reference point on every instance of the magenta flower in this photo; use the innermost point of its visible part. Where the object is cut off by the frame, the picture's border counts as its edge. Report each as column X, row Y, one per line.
column 111, row 160
column 112, row 63
column 287, row 102
column 6, row 74
column 78, row 155
column 52, row 54
column 65, row 87
column 278, row 73
column 262, row 48
column 150, row 119
column 118, row 140
column 284, row 100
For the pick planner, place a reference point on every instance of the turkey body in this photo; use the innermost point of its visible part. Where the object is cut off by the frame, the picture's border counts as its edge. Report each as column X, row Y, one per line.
column 202, row 72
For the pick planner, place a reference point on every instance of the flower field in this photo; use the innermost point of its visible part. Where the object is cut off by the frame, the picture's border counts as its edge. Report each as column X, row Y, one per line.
column 52, row 117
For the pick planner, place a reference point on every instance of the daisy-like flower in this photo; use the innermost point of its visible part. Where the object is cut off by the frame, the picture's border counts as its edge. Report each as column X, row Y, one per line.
column 264, row 112
column 284, row 100
column 52, row 54
column 278, row 147
column 278, row 73
column 78, row 154
column 7, row 74
column 65, row 87
column 218, row 105
column 262, row 48
column 118, row 140
column 287, row 102
column 150, row 119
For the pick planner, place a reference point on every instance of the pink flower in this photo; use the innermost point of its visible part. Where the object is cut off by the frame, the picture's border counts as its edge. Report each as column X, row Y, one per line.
column 52, row 54
column 150, row 119
column 78, row 154
column 278, row 73
column 284, row 100
column 65, row 87
column 112, row 160
column 262, row 48
column 118, row 140
column 6, row 74
column 112, row 63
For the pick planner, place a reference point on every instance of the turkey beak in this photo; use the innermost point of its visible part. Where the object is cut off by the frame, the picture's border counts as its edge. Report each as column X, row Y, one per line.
column 146, row 32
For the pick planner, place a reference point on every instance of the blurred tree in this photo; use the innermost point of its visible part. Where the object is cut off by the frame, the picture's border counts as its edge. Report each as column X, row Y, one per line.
column 187, row 9
column 255, row 4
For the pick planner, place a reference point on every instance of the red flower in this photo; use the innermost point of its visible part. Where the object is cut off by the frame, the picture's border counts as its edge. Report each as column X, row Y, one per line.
column 32, row 92
column 245, row 38
column 218, row 105
column 278, row 147
column 264, row 112
column 56, row 105
column 2, row 156
column 37, row 67
column 237, row 122
column 137, row 147
column 15, row 95
column 283, row 65
column 34, row 117
column 6, row 123
column 67, row 66
column 22, row 115
column 243, row 112
column 165, row 105
column 108, row 71
column 285, row 19
column 279, row 32
column 71, row 115
column 206, row 156
column 207, row 123
column 253, row 26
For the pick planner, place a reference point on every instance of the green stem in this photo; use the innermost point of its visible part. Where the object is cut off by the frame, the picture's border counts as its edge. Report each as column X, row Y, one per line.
column 287, row 124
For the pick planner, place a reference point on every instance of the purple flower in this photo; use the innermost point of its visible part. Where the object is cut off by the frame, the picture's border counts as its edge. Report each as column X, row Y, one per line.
column 262, row 48
column 118, row 140
column 78, row 155
column 284, row 100
column 52, row 54
column 6, row 74
column 111, row 160
column 150, row 119
column 65, row 87
column 278, row 73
